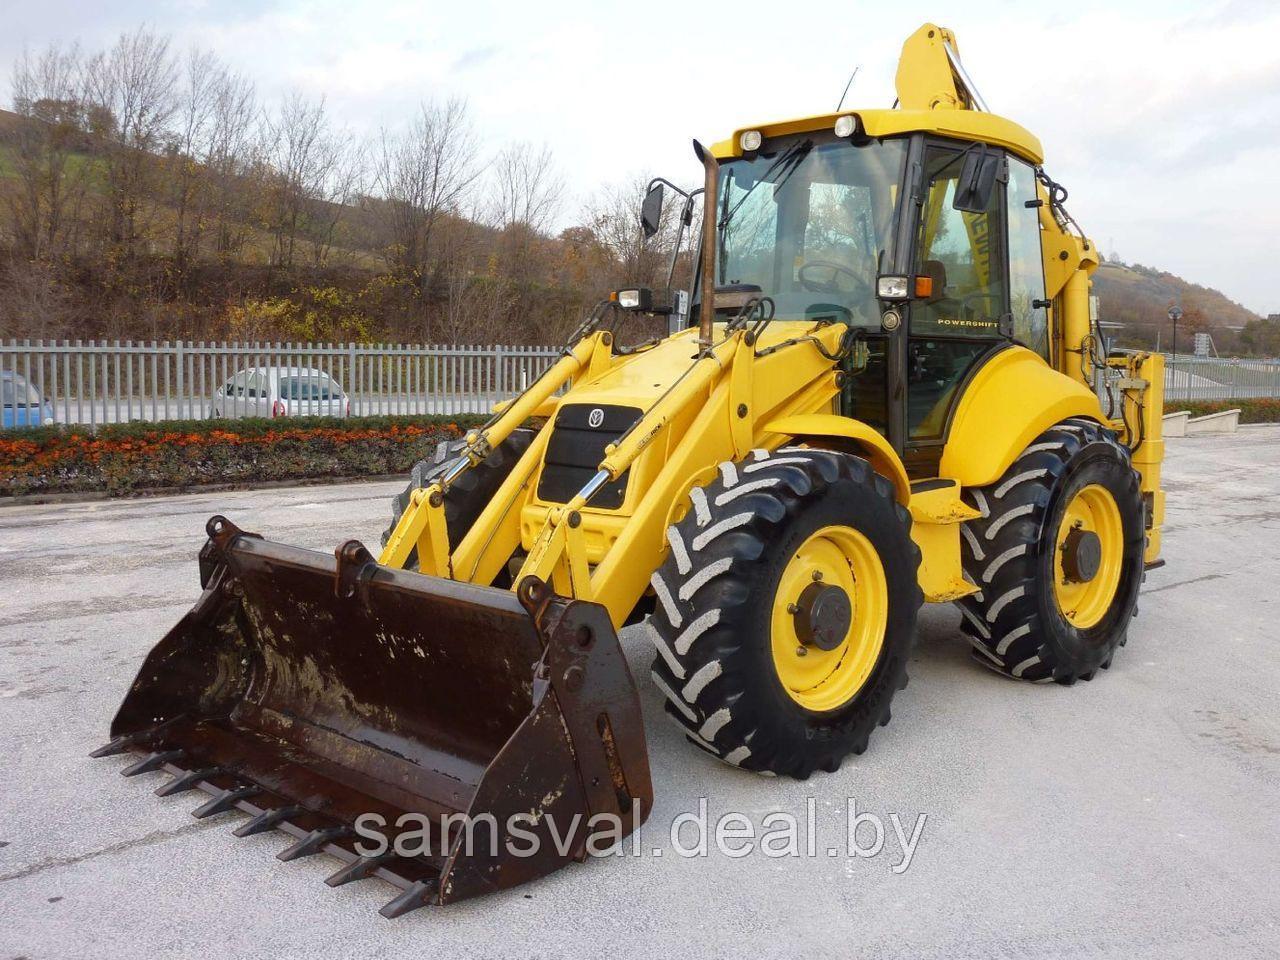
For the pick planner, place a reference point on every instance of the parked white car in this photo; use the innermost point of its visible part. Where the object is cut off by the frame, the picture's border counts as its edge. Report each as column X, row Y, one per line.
column 281, row 392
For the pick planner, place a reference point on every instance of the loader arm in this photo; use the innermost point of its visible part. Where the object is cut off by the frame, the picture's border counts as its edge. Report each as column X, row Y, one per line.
column 715, row 405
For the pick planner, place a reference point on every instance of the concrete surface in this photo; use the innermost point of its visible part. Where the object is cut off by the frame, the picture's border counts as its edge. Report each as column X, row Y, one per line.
column 1224, row 421
column 1131, row 817
column 1175, row 424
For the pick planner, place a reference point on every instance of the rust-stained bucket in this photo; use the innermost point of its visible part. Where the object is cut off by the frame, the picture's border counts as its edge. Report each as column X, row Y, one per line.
column 329, row 697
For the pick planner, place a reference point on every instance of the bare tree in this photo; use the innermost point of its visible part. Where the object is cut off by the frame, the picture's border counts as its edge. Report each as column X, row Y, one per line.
column 232, row 162
column 421, row 175
column 527, row 192
column 343, row 161
column 612, row 220
column 478, row 298
column 131, row 88
column 528, row 187
column 303, row 156
column 202, row 76
column 36, row 301
column 48, row 188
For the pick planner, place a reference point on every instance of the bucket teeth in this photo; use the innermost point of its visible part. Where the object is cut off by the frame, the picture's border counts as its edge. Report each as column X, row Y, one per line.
column 152, row 761
column 266, row 820
column 186, row 781
column 418, row 895
column 118, row 745
column 123, row 742
column 226, row 801
column 358, row 869
column 313, row 843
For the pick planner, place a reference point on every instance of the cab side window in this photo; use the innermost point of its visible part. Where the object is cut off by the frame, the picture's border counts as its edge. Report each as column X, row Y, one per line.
column 960, row 253
column 958, row 320
column 1026, row 260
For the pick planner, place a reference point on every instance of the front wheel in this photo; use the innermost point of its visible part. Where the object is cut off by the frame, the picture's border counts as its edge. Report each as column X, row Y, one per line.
column 786, row 610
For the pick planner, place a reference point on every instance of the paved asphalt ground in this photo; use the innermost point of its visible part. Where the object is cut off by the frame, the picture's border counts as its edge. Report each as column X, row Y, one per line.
column 1134, row 816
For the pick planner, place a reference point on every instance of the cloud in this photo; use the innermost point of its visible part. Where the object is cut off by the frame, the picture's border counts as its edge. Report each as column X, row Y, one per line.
column 474, row 58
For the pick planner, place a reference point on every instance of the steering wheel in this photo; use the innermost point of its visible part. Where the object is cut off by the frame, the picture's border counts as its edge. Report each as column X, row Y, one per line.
column 830, row 286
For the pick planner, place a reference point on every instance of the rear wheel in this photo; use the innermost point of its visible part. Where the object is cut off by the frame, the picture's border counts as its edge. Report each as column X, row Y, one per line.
column 466, row 499
column 1057, row 555
column 786, row 610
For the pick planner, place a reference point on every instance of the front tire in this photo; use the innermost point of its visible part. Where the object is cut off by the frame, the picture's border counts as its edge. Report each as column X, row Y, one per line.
column 762, row 663
column 1057, row 555
column 470, row 493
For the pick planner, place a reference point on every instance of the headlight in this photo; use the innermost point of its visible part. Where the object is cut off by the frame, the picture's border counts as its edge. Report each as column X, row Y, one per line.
column 846, row 126
column 637, row 298
column 893, row 288
column 750, row 141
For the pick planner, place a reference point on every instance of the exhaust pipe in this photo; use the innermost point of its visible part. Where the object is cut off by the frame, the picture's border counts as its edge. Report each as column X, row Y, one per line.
column 707, row 313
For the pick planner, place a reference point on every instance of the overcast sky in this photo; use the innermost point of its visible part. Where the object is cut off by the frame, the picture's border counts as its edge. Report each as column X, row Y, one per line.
column 1162, row 118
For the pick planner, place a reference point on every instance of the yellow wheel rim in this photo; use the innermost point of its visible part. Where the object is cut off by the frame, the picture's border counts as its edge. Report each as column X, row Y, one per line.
column 1085, row 601
column 819, row 679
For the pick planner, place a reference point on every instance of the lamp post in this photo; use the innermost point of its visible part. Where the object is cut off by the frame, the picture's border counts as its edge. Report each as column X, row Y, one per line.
column 1175, row 314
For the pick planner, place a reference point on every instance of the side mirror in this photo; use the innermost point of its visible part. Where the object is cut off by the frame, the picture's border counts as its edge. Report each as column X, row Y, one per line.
column 651, row 210
column 977, row 181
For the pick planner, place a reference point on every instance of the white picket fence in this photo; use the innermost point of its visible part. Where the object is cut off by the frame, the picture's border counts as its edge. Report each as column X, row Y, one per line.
column 1214, row 378
column 97, row 381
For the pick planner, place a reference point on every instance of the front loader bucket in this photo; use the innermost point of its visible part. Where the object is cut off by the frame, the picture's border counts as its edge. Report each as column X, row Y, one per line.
column 328, row 696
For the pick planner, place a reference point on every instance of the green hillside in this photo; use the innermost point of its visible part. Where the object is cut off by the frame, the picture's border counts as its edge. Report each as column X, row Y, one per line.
column 1139, row 297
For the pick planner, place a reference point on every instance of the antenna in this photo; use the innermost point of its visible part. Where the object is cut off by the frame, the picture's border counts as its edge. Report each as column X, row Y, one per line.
column 847, row 86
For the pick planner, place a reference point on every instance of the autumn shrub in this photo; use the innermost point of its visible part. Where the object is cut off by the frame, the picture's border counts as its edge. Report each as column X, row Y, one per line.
column 120, row 458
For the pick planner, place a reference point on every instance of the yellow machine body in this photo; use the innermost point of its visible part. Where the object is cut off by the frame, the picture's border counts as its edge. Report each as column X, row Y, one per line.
column 702, row 411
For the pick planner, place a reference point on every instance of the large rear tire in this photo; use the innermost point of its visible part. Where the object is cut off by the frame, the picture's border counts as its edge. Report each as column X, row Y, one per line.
column 786, row 610
column 1057, row 555
column 470, row 493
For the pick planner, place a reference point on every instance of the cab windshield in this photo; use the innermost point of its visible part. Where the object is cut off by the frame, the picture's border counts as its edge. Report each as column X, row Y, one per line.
column 807, row 223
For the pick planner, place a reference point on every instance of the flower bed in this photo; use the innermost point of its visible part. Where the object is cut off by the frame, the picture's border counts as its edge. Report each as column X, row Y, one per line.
column 1256, row 410
column 121, row 458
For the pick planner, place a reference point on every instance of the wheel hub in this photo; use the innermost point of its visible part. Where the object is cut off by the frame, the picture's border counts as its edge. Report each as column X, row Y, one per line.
column 828, row 618
column 823, row 616
column 1081, row 555
column 1089, row 556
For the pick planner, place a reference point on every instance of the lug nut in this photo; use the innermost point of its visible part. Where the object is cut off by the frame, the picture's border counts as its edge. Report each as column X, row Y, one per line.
column 817, row 575
column 801, row 652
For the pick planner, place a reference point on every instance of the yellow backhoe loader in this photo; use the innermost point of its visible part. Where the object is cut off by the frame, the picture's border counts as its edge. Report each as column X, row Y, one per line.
column 890, row 390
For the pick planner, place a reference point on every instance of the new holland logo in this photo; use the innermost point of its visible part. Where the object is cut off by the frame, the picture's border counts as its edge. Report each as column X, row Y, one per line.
column 595, row 418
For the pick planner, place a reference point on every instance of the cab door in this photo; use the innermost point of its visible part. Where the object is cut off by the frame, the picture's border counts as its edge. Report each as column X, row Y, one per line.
column 964, row 315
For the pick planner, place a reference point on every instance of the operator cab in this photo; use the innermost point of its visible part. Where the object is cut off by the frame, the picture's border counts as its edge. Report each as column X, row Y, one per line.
column 928, row 246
